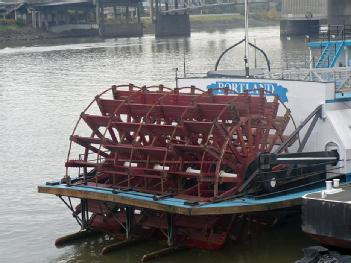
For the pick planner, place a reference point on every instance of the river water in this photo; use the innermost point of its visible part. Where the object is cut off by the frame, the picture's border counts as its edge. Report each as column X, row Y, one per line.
column 43, row 89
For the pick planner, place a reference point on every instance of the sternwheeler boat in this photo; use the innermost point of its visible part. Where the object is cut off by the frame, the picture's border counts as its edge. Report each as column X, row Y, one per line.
column 192, row 163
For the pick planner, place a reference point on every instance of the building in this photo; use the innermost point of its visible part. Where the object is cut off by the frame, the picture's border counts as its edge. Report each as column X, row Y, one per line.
column 107, row 18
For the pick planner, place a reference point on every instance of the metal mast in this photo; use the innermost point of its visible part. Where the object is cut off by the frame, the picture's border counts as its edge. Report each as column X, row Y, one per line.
column 246, row 57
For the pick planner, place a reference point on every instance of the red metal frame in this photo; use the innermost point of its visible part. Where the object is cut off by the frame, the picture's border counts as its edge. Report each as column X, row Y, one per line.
column 191, row 144
column 182, row 142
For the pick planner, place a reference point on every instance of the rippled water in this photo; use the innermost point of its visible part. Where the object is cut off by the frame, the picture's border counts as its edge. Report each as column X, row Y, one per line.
column 43, row 89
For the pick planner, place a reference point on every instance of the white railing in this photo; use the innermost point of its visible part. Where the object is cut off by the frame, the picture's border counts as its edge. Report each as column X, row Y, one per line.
column 340, row 75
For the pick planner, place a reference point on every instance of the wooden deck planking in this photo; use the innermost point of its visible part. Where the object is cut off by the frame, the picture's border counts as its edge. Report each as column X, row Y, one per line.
column 176, row 205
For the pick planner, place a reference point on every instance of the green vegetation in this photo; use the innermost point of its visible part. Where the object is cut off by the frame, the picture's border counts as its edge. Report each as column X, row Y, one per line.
column 146, row 21
column 10, row 24
column 270, row 15
column 216, row 18
column 203, row 18
column 9, row 27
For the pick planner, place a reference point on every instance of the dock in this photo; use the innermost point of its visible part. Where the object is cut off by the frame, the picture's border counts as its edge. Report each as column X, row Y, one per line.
column 326, row 217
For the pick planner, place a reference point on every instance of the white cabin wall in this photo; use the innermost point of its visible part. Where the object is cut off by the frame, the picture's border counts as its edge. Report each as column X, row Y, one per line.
column 324, row 133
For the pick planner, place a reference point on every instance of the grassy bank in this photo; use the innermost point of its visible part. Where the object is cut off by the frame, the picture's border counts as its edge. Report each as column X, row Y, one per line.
column 9, row 27
column 217, row 22
column 15, row 33
column 203, row 18
column 216, row 18
column 10, row 24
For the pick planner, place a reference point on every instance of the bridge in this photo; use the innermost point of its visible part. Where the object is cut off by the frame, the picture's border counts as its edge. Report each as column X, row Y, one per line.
column 118, row 18
column 107, row 18
column 112, row 18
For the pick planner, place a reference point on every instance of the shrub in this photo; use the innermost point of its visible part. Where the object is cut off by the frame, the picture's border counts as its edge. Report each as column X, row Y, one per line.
column 20, row 22
column 5, row 21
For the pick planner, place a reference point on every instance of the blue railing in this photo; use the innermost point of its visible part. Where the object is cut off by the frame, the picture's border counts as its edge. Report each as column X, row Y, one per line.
column 332, row 41
column 338, row 50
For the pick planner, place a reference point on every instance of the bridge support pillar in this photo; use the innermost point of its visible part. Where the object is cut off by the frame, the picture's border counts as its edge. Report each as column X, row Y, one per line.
column 339, row 12
column 126, row 24
column 172, row 25
column 299, row 27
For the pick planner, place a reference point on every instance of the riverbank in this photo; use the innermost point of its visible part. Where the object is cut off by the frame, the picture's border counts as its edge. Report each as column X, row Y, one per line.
column 13, row 34
column 223, row 21
column 213, row 22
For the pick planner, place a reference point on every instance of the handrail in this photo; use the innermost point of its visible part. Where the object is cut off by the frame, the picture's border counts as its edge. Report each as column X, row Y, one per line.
column 238, row 43
column 334, row 32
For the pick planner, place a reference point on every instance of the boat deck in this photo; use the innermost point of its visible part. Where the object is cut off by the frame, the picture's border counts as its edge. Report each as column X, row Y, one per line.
column 327, row 220
column 176, row 205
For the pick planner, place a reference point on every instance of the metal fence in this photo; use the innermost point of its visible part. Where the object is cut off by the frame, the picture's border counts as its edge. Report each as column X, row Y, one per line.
column 341, row 76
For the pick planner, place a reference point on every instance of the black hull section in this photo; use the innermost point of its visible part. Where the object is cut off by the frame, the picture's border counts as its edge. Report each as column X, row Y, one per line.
column 328, row 220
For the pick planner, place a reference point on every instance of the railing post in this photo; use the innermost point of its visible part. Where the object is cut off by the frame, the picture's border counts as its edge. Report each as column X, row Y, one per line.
column 328, row 32
column 328, row 61
column 310, row 58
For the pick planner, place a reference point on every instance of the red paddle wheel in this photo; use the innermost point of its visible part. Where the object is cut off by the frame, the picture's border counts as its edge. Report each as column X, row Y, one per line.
column 186, row 143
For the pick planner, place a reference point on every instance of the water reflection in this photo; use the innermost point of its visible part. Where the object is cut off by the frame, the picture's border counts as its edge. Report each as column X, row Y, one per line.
column 281, row 244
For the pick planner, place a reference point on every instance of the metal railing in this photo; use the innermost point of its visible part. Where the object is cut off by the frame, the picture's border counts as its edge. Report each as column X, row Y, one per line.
column 331, row 40
column 334, row 32
column 341, row 76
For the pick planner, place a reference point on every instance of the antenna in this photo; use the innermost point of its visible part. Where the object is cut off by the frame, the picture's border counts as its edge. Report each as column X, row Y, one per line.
column 246, row 57
column 184, row 64
column 176, row 77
